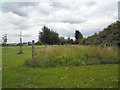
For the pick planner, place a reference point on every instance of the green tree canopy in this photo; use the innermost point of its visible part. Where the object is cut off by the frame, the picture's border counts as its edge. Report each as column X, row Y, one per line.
column 48, row 36
column 78, row 36
column 110, row 36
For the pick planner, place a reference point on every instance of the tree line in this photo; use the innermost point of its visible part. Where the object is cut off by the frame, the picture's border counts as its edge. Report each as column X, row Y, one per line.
column 109, row 36
column 50, row 37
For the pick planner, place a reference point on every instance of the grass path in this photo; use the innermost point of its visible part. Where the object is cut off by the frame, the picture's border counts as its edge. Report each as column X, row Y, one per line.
column 17, row 75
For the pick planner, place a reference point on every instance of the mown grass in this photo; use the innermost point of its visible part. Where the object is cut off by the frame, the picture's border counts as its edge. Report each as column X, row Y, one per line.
column 75, row 55
column 18, row 75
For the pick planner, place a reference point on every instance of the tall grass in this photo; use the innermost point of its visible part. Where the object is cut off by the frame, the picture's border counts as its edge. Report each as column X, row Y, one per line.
column 74, row 55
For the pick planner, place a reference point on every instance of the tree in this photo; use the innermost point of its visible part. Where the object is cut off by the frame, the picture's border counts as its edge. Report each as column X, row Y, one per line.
column 48, row 36
column 39, row 39
column 78, row 36
column 4, row 39
column 62, row 41
column 83, row 41
column 70, row 41
column 110, row 36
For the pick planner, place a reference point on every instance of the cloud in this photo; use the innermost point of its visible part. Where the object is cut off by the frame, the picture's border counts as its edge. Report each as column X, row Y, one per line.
column 62, row 16
column 65, row 29
column 17, row 7
column 66, row 16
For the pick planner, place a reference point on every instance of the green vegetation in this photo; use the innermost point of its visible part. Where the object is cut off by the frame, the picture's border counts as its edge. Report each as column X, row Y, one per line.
column 74, row 55
column 48, row 36
column 78, row 37
column 110, row 36
column 18, row 75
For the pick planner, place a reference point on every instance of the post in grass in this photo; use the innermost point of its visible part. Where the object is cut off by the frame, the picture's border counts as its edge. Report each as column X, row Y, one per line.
column 21, row 51
column 33, row 51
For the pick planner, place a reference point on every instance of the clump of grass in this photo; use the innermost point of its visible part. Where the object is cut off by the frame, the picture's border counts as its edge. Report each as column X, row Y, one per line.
column 74, row 55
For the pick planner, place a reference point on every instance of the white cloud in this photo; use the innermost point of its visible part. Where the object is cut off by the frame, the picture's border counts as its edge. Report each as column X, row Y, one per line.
column 62, row 16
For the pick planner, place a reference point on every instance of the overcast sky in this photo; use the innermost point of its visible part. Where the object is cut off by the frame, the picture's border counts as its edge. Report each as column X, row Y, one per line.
column 63, row 17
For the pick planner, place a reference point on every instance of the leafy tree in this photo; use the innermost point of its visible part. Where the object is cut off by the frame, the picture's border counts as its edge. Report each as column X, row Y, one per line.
column 70, row 41
column 78, row 36
column 4, row 39
column 48, row 36
column 110, row 36
column 83, row 41
column 62, row 40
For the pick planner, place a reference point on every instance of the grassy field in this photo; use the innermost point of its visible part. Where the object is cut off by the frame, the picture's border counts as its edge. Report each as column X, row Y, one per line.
column 18, row 75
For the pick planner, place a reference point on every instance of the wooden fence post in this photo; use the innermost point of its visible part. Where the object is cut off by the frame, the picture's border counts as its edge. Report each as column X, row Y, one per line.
column 33, row 51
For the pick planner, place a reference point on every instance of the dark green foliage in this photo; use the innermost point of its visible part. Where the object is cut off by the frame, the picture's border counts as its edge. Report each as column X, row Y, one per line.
column 62, row 40
column 108, row 37
column 70, row 41
column 82, row 42
column 78, row 36
column 48, row 36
